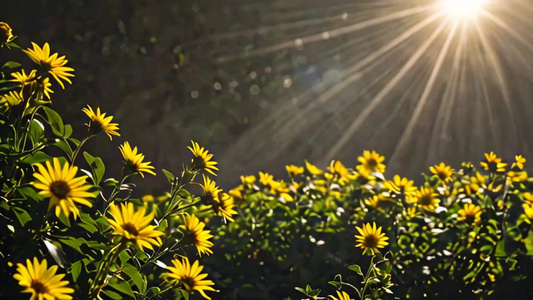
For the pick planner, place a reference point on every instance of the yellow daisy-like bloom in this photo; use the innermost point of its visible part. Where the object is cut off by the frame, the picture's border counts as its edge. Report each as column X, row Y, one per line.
column 189, row 276
column 99, row 122
column 371, row 161
column 470, row 214
column 528, row 210
column 202, row 159
column 341, row 296
column 11, row 99
column 134, row 225
column 53, row 64
column 134, row 160
column 23, row 78
column 426, row 198
column 337, row 168
column 400, row 185
column 370, row 237
column 62, row 187
column 314, row 170
column 265, row 178
column 210, row 188
column 46, row 87
column 250, row 179
column 376, row 200
column 517, row 176
column 236, row 192
column 224, row 206
column 42, row 282
column 293, row 170
column 442, row 171
column 364, row 176
column 528, row 197
column 412, row 212
column 6, row 33
column 493, row 163
column 519, row 163
column 198, row 235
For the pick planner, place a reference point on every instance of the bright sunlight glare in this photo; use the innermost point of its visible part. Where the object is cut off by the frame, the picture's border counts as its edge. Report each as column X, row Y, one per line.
column 463, row 8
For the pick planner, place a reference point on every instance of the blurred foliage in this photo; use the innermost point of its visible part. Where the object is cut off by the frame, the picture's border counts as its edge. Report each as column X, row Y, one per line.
column 464, row 234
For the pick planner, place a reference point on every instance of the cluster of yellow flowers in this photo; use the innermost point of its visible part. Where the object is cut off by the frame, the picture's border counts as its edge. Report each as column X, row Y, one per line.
column 57, row 180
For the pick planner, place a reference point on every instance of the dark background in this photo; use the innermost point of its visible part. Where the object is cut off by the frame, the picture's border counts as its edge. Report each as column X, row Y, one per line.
column 252, row 81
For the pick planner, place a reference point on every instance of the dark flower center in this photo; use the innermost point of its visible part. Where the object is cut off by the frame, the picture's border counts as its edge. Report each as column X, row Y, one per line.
column 199, row 163
column 469, row 218
column 442, row 175
column 371, row 241
column 372, row 163
column 188, row 282
column 426, row 200
column 60, row 189
column 130, row 228
column 38, row 287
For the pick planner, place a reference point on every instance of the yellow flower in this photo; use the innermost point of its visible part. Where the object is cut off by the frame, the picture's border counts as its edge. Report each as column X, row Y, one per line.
column 370, row 237
column 236, row 192
column 528, row 210
column 53, row 64
column 265, row 178
column 23, row 78
column 99, row 122
column 442, row 171
column 517, row 176
column 210, row 188
column 337, row 168
column 493, row 163
column 134, row 225
column 400, row 185
column 519, row 163
column 375, row 200
column 528, row 197
column 62, row 187
column 202, row 159
column 189, row 276
column 134, row 160
column 199, row 236
column 6, row 34
column 470, row 214
column 42, row 282
column 224, row 206
column 293, row 170
column 412, row 212
column 313, row 169
column 147, row 198
column 426, row 198
column 11, row 99
column 371, row 161
column 364, row 176
column 250, row 179
column 341, row 296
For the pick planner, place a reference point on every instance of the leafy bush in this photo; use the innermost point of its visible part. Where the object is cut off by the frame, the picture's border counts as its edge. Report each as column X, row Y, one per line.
column 67, row 230
column 463, row 233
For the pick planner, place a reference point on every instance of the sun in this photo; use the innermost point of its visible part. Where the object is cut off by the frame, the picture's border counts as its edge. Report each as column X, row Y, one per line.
column 463, row 9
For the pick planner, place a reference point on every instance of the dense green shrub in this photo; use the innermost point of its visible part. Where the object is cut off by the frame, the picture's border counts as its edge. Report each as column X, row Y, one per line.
column 463, row 233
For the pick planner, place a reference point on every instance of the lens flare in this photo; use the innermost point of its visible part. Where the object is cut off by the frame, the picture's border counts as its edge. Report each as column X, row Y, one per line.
column 463, row 8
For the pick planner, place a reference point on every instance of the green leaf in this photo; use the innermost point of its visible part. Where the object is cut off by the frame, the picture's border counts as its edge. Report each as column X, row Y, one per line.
column 64, row 219
column 136, row 277
column 356, row 269
column 22, row 215
column 75, row 270
column 38, row 157
column 112, row 295
column 11, row 65
column 124, row 257
column 74, row 243
column 97, row 167
column 64, row 145
column 55, row 121
column 68, row 131
column 170, row 177
column 36, row 132
column 122, row 287
column 29, row 192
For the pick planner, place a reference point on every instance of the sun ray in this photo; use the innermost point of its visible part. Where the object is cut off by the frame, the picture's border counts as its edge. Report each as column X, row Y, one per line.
column 355, row 124
column 508, row 29
column 425, row 94
column 332, row 33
